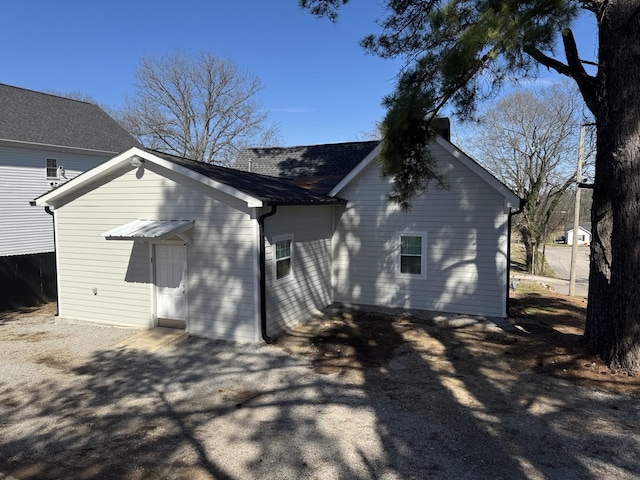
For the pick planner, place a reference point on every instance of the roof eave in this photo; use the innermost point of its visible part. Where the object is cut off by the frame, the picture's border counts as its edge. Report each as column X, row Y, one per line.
column 356, row 170
column 512, row 199
column 299, row 203
column 47, row 146
column 49, row 198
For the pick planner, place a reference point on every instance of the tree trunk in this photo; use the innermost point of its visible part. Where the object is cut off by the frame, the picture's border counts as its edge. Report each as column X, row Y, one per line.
column 600, row 262
column 527, row 241
column 613, row 315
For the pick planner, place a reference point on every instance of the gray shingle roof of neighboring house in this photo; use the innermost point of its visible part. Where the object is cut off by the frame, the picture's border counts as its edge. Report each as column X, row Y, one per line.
column 39, row 118
column 271, row 190
column 318, row 168
column 586, row 225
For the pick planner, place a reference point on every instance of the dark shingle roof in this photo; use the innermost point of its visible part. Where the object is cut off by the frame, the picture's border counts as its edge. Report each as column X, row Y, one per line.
column 318, row 168
column 34, row 117
column 272, row 191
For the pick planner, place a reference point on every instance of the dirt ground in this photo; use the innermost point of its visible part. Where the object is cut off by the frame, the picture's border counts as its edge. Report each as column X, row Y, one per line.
column 542, row 335
column 352, row 395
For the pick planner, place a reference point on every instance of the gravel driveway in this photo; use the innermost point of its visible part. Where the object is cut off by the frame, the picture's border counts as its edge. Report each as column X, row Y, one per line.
column 74, row 406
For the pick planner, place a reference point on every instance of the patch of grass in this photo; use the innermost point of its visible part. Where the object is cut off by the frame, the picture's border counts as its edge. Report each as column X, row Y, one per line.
column 527, row 286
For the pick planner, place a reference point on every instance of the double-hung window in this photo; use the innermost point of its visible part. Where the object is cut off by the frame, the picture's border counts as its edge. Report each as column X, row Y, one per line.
column 283, row 256
column 51, row 168
column 412, row 254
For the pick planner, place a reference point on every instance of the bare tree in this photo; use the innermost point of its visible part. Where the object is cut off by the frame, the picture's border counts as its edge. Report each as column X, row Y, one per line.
column 529, row 141
column 87, row 98
column 199, row 107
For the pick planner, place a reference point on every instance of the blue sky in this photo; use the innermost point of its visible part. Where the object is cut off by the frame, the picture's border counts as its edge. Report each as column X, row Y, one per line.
column 319, row 85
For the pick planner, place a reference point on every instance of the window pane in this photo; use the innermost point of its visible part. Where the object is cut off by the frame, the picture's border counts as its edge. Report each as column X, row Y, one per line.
column 411, row 265
column 283, row 268
column 411, row 245
column 283, row 249
column 52, row 168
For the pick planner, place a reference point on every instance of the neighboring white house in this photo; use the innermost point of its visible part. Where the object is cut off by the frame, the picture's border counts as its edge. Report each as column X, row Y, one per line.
column 584, row 234
column 150, row 239
column 45, row 140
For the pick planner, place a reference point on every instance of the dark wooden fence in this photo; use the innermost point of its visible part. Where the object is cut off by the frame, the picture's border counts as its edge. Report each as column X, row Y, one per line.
column 27, row 280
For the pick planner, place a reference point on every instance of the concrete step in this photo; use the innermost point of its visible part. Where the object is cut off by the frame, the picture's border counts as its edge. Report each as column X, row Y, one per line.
column 153, row 339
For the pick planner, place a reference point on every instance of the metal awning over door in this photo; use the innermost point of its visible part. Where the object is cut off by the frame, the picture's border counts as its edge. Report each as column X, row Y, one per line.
column 151, row 230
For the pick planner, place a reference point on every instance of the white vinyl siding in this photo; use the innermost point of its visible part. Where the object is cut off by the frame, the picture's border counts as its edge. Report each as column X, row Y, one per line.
column 309, row 288
column 26, row 229
column 466, row 252
column 220, row 261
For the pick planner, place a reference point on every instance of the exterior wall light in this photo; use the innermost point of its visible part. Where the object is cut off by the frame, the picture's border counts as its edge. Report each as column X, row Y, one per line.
column 136, row 161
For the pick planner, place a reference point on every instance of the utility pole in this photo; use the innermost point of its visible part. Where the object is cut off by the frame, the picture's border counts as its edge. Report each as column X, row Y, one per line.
column 576, row 217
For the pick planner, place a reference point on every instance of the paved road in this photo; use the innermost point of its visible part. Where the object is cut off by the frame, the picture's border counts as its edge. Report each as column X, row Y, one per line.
column 559, row 258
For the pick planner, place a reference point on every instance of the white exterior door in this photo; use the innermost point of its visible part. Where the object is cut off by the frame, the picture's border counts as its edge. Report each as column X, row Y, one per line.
column 171, row 290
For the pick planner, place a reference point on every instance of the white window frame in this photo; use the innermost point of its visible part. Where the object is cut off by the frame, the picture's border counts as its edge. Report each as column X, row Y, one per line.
column 47, row 167
column 274, row 243
column 423, row 254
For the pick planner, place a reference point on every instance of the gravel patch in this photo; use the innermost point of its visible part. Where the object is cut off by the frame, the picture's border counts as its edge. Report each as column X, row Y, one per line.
column 72, row 405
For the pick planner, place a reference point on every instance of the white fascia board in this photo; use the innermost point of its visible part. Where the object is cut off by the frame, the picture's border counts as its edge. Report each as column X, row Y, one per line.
column 511, row 198
column 125, row 157
column 357, row 170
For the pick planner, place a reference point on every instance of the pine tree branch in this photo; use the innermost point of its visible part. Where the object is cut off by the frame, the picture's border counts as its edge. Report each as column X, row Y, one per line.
column 572, row 69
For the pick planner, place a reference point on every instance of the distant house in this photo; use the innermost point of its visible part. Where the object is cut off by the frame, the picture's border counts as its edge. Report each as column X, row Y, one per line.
column 149, row 239
column 584, row 234
column 45, row 140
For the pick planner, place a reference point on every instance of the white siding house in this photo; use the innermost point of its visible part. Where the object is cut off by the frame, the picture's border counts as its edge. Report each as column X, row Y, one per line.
column 177, row 243
column 307, row 288
column 23, row 176
column 150, row 239
column 448, row 253
column 455, row 254
column 584, row 234
column 45, row 140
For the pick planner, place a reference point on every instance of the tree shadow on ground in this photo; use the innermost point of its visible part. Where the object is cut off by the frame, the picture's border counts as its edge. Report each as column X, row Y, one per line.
column 200, row 410
column 477, row 396
column 399, row 397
